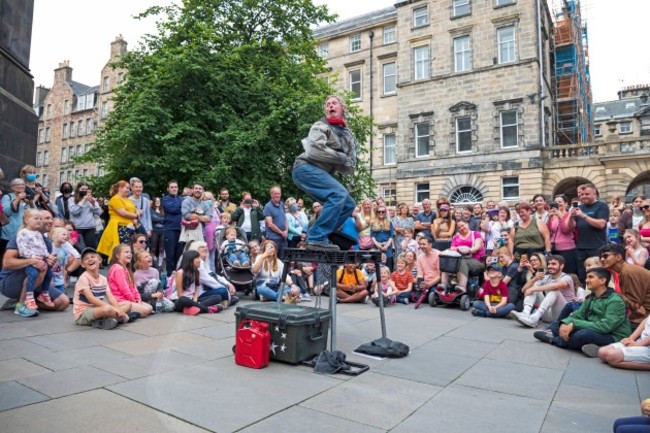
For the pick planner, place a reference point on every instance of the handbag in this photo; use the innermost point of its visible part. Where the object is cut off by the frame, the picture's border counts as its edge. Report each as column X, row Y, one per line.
column 365, row 242
column 125, row 233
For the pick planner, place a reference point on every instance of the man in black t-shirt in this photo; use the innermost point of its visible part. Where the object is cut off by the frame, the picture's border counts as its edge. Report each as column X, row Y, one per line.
column 513, row 277
column 590, row 218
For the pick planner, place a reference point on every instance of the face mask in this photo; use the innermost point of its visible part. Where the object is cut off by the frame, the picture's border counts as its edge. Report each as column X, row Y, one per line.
column 209, row 202
column 293, row 208
column 31, row 177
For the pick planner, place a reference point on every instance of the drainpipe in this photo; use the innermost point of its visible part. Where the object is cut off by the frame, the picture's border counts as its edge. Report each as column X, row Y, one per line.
column 540, row 89
column 371, row 36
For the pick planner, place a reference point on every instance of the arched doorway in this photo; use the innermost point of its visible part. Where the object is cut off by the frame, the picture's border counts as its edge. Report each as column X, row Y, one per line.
column 569, row 187
column 640, row 185
column 465, row 195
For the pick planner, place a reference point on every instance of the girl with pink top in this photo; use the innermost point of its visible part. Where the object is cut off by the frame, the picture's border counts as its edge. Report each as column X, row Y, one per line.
column 563, row 240
column 122, row 283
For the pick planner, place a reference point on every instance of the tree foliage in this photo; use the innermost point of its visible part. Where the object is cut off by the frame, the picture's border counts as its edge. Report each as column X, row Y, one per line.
column 222, row 94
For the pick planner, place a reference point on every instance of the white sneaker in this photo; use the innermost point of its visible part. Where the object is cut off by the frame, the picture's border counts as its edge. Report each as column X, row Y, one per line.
column 527, row 320
column 304, row 297
column 514, row 315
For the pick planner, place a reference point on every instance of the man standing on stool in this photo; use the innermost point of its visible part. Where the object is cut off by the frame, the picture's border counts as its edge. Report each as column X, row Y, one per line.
column 329, row 147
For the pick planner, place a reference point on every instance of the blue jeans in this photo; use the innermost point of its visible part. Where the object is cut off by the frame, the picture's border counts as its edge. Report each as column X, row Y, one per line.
column 30, row 283
column 336, row 201
column 501, row 311
column 172, row 249
column 580, row 337
column 634, row 424
column 219, row 291
column 239, row 256
column 268, row 293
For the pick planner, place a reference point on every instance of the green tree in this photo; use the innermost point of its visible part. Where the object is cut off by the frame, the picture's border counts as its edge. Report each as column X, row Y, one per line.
column 222, row 94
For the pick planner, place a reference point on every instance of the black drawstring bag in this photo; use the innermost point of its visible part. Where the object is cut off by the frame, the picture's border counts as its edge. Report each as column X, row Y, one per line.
column 385, row 348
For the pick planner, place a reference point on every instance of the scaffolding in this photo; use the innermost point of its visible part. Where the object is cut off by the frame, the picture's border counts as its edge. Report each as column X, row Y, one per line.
column 574, row 123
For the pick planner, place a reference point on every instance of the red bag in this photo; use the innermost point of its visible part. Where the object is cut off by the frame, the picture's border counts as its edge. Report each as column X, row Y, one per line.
column 253, row 344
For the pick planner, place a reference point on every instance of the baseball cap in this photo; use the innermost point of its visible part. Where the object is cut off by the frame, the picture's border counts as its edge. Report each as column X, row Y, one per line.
column 88, row 250
column 495, row 267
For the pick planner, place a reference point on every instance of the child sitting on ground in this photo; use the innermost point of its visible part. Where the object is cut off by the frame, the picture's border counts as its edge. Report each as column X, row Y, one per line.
column 94, row 304
column 402, row 281
column 387, row 289
column 369, row 271
column 495, row 295
column 147, row 281
column 235, row 249
column 408, row 243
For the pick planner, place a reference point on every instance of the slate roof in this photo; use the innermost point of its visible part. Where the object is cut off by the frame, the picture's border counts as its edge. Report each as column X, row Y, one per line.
column 619, row 109
column 81, row 89
column 357, row 22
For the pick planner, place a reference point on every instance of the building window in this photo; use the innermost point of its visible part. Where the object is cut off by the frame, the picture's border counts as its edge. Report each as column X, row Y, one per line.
column 73, row 129
column 80, row 127
column 510, row 188
column 625, row 127
column 66, row 131
column 503, row 2
column 509, row 128
column 389, row 193
column 64, row 155
column 460, row 8
column 39, row 159
column 597, row 132
column 324, row 51
column 87, row 148
column 389, row 149
column 421, row 192
column 71, row 153
column 463, row 134
column 46, row 157
column 48, row 135
column 41, row 135
column 89, row 126
column 48, row 111
column 79, row 150
column 507, row 45
column 462, row 54
column 421, row 65
column 466, row 194
column 420, row 16
column 355, row 83
column 390, row 78
column 355, row 43
column 422, row 139
column 104, row 112
column 44, row 180
column 106, row 86
column 69, row 176
column 76, row 174
column 85, row 172
column 66, row 106
column 90, row 101
column 61, row 177
column 645, row 126
column 100, row 172
column 120, row 78
column 390, row 34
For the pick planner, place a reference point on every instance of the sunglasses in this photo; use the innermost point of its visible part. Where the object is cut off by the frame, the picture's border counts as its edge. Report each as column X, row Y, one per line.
column 604, row 256
column 142, row 242
column 381, row 211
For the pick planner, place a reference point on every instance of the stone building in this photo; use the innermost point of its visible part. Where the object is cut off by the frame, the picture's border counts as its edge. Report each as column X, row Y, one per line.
column 463, row 106
column 17, row 119
column 69, row 115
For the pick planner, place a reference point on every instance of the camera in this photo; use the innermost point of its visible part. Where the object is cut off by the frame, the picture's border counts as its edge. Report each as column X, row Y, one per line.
column 553, row 205
column 248, row 201
column 575, row 204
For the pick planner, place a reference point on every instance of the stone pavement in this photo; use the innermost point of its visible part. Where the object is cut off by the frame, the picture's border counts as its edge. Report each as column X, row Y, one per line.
column 175, row 373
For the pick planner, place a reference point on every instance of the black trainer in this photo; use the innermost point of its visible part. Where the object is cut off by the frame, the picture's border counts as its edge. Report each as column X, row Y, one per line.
column 545, row 336
column 133, row 316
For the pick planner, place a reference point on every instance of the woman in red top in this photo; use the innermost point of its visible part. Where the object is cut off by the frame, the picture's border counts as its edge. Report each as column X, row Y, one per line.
column 122, row 283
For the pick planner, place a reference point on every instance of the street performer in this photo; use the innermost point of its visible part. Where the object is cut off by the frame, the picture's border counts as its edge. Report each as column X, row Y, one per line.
column 330, row 147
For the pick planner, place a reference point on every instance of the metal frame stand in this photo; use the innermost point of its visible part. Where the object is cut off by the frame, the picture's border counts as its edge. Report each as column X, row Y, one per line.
column 334, row 259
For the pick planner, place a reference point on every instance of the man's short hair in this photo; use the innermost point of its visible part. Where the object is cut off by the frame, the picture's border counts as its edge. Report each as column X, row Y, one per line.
column 558, row 258
column 612, row 248
column 426, row 238
column 601, row 272
column 469, row 207
column 172, row 181
column 134, row 180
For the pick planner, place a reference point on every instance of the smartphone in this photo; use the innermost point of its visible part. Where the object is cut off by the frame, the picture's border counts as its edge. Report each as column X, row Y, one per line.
column 540, row 271
column 248, row 201
column 553, row 205
column 524, row 258
column 83, row 193
column 575, row 204
column 269, row 247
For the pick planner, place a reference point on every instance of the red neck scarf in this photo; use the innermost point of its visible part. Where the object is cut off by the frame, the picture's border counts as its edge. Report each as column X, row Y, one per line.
column 339, row 122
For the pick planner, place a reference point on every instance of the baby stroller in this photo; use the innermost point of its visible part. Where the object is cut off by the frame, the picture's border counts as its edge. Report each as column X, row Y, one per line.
column 450, row 263
column 240, row 276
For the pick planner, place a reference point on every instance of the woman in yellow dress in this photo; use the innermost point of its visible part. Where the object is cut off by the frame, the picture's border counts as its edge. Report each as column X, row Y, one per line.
column 123, row 217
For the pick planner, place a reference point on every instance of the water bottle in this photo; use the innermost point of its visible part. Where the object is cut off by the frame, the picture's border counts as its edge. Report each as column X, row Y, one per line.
column 159, row 306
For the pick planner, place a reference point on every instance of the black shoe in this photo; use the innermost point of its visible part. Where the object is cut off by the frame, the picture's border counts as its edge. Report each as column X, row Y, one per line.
column 545, row 336
column 105, row 323
column 233, row 301
column 322, row 246
column 133, row 316
column 591, row 350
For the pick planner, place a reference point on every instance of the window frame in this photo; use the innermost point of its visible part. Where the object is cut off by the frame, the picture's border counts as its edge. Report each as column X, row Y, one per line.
column 48, row 134
column 419, row 191
column 324, row 50
column 103, row 114
column 64, row 155
column 393, row 75
column 66, row 132
column 389, row 30
column 106, row 84
column 463, row 51
column 355, row 43
column 501, row 43
column 628, row 124
column 597, row 131
column 454, row 6
column 351, row 83
column 390, row 149
column 467, row 131
column 46, row 158
column 418, row 137
column 417, row 14
column 501, row 3
column 425, row 62
column 505, row 184
column 510, row 125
